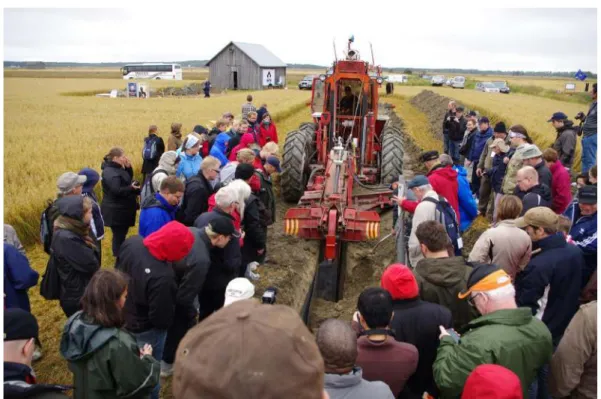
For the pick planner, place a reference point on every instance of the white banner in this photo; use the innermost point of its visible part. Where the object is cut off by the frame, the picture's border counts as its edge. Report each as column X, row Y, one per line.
column 268, row 77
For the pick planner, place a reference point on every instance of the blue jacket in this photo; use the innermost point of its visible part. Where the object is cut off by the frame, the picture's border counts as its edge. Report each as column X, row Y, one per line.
column 558, row 266
column 497, row 172
column 18, row 278
column 156, row 212
column 478, row 144
column 468, row 208
column 219, row 148
column 188, row 166
column 584, row 235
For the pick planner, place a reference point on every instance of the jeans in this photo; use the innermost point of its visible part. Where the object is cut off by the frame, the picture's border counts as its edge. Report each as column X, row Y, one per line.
column 589, row 152
column 454, row 150
column 156, row 338
column 119, row 234
column 446, row 143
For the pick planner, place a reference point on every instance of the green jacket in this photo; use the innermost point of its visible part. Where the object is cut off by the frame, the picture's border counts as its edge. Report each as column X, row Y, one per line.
column 106, row 362
column 511, row 173
column 511, row 338
column 440, row 280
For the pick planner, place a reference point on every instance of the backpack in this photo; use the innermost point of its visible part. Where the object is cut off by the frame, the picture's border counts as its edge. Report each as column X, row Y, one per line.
column 148, row 189
column 447, row 217
column 50, row 287
column 46, row 228
column 149, row 152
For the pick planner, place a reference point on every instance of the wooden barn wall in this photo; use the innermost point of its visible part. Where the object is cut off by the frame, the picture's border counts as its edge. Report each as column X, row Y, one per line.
column 221, row 68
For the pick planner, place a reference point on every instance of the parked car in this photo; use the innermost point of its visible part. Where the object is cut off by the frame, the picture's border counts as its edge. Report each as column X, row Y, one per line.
column 458, row 82
column 438, row 80
column 306, row 83
column 502, row 85
column 487, row 87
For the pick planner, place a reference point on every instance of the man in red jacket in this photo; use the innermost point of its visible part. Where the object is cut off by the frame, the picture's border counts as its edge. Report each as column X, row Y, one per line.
column 561, row 182
column 443, row 180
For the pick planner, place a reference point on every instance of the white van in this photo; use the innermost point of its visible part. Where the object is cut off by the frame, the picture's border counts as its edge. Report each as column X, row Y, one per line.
column 458, row 82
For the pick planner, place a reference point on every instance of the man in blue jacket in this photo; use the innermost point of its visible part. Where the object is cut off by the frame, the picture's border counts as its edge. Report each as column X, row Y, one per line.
column 18, row 278
column 160, row 209
column 478, row 145
column 584, row 228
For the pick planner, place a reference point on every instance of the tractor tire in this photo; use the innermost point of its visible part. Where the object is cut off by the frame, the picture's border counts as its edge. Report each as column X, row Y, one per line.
column 392, row 154
column 295, row 164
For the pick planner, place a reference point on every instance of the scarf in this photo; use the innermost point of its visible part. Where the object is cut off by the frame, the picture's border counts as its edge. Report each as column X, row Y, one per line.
column 75, row 226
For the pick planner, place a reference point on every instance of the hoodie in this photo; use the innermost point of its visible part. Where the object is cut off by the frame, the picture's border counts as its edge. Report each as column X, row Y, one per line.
column 156, row 212
column 170, row 243
column 491, row 381
column 478, row 145
column 440, row 280
column 245, row 141
column 219, row 148
column 538, row 195
column 353, row 386
column 106, row 362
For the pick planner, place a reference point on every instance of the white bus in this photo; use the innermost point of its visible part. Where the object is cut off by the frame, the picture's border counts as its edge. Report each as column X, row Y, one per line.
column 152, row 71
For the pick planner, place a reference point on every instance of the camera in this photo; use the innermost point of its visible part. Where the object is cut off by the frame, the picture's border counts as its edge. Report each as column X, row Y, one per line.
column 580, row 116
column 269, row 296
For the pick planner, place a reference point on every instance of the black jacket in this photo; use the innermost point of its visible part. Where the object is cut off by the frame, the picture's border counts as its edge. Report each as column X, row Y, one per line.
column 253, row 225
column 466, row 145
column 556, row 266
column 18, row 384
column 196, row 199
column 225, row 262
column 152, row 287
column 456, row 128
column 119, row 201
column 544, row 175
column 539, row 195
column 149, row 165
column 417, row 322
column 266, row 196
column 446, row 121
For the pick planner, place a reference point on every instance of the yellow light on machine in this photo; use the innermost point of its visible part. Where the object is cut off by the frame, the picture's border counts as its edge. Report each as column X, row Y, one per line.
column 372, row 230
column 291, row 227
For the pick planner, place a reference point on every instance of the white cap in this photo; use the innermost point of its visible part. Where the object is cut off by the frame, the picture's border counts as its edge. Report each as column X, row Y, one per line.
column 237, row 290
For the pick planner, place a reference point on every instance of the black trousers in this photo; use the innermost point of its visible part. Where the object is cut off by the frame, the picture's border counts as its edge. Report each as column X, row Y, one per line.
column 210, row 300
column 182, row 322
column 119, row 234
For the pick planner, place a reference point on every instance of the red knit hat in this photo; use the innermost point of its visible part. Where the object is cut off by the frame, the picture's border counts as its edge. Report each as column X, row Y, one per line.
column 400, row 282
column 491, row 381
column 171, row 243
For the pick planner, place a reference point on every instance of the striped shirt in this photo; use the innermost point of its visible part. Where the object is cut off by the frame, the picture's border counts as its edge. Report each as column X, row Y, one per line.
column 246, row 108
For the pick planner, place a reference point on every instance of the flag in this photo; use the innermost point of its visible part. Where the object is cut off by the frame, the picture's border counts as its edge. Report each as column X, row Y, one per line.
column 580, row 75
column 351, row 39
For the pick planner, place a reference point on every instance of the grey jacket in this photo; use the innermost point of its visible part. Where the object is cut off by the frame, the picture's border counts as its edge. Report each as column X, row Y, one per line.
column 565, row 144
column 353, row 386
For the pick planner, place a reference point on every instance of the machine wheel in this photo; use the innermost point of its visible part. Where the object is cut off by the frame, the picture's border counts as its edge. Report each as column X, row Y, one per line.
column 392, row 154
column 295, row 163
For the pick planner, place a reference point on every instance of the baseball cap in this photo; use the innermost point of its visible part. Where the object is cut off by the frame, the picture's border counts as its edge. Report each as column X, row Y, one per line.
column 484, row 119
column 19, row 325
column 501, row 144
column 485, row 277
column 541, row 216
column 267, row 352
column 238, row 289
column 69, row 180
column 224, row 226
column 275, row 162
column 399, row 281
column 429, row 156
column 587, row 195
column 532, row 151
column 418, row 181
column 558, row 116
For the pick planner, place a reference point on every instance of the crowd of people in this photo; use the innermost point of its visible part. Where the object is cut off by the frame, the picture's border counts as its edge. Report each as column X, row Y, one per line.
column 513, row 318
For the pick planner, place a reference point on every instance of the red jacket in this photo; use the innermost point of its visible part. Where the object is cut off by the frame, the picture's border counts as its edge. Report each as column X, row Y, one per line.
column 443, row 180
column 491, row 381
column 267, row 132
column 561, row 189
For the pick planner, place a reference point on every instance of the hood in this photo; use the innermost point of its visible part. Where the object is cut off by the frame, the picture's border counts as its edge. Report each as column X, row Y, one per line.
column 170, row 243
column 92, row 179
column 157, row 201
column 446, row 172
column 71, row 206
column 566, row 125
column 344, row 380
column 221, row 141
column 541, row 190
column 461, row 171
column 492, row 381
column 444, row 272
column 167, row 162
column 557, row 240
column 81, row 339
column 247, row 138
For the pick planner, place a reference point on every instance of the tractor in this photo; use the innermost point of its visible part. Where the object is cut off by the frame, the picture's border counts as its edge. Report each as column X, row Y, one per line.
column 338, row 168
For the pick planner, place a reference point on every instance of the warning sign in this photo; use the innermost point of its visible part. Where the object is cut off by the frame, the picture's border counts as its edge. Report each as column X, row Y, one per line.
column 268, row 77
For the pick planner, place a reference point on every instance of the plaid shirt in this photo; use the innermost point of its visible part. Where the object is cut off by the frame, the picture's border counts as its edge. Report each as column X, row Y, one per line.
column 246, row 108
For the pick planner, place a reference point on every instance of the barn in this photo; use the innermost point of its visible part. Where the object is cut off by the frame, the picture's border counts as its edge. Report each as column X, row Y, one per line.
column 246, row 66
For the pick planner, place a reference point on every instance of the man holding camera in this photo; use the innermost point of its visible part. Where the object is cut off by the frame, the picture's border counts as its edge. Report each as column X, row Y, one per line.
column 588, row 130
column 446, row 122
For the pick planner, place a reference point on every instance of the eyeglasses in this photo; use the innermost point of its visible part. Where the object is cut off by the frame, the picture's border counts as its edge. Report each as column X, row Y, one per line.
column 470, row 300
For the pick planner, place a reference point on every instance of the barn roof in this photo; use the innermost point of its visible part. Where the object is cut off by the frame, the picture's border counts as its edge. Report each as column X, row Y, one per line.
column 257, row 52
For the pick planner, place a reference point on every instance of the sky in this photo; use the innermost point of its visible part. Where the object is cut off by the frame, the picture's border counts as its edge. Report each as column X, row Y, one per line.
column 548, row 39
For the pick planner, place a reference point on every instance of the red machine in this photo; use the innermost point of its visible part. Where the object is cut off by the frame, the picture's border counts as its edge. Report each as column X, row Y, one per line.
column 348, row 148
